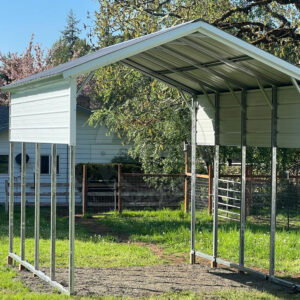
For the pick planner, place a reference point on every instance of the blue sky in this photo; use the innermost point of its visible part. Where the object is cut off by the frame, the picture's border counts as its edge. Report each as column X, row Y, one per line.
column 44, row 18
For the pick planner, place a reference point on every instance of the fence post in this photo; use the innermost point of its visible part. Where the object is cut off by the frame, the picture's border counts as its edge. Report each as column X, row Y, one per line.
column 249, row 190
column 115, row 195
column 6, row 196
column 84, row 189
column 119, row 189
column 210, row 189
column 186, row 182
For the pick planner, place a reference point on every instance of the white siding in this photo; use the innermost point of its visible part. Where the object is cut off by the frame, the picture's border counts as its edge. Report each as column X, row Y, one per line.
column 258, row 119
column 230, row 119
column 205, row 134
column 93, row 146
column 43, row 114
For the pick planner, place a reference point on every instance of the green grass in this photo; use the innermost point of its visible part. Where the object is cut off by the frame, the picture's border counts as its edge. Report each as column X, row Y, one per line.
column 168, row 229
column 171, row 230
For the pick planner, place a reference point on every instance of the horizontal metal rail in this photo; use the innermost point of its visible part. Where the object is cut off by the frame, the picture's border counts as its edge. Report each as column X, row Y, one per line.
column 294, row 286
column 228, row 218
column 230, row 181
column 228, row 205
column 153, row 175
column 228, row 190
column 229, row 212
column 232, row 198
column 38, row 273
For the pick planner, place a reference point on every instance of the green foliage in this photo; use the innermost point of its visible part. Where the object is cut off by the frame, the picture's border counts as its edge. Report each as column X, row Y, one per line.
column 70, row 45
column 70, row 35
column 151, row 116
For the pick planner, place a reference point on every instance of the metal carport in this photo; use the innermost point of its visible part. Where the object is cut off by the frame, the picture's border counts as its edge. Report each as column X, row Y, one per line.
column 242, row 96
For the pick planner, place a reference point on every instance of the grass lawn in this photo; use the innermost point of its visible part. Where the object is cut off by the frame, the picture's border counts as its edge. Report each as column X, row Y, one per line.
column 167, row 229
column 171, row 230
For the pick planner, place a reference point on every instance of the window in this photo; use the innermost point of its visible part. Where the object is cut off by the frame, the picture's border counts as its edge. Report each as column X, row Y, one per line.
column 3, row 164
column 46, row 164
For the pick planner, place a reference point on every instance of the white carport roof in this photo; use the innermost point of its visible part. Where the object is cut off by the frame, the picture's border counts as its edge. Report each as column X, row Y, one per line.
column 195, row 57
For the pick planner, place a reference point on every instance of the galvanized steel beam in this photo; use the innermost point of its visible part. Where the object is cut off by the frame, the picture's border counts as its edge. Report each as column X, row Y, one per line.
column 72, row 219
column 85, row 82
column 11, row 197
column 23, row 200
column 264, row 93
column 273, row 181
column 295, row 83
column 153, row 74
column 208, row 64
column 186, row 102
column 229, row 63
column 193, row 179
column 37, row 207
column 38, row 273
column 243, row 179
column 152, row 59
column 53, row 211
column 201, row 67
column 216, row 180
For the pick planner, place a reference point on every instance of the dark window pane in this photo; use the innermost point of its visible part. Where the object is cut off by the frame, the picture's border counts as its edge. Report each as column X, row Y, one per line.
column 45, row 164
column 3, row 164
column 57, row 165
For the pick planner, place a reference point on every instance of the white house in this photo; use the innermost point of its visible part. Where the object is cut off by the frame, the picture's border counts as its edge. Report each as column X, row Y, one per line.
column 94, row 146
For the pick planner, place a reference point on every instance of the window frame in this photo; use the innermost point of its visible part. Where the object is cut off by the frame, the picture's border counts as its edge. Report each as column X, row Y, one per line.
column 5, row 173
column 49, row 164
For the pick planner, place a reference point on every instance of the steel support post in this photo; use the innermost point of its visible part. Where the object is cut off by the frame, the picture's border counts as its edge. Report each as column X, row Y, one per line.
column 37, row 207
column 243, row 179
column 273, row 181
column 23, row 201
column 53, row 211
column 11, row 201
column 193, row 180
column 216, row 181
column 71, row 219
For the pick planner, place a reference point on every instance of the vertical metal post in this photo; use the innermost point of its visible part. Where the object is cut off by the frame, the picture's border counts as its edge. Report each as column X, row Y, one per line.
column 210, row 188
column 11, row 200
column 216, row 181
column 53, row 211
column 186, row 181
column 71, row 219
column 37, row 207
column 273, row 180
column 193, row 180
column 243, row 179
column 23, row 201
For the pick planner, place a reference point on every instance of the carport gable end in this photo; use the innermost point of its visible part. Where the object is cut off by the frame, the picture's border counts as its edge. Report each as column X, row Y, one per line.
column 44, row 112
column 258, row 118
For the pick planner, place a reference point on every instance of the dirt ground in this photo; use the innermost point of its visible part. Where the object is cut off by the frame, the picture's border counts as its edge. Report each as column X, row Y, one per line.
column 175, row 276
column 151, row 280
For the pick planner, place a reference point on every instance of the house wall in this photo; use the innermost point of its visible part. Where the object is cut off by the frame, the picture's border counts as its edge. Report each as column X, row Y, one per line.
column 94, row 145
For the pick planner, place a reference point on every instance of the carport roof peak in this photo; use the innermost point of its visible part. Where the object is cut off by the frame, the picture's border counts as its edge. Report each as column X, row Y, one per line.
column 214, row 45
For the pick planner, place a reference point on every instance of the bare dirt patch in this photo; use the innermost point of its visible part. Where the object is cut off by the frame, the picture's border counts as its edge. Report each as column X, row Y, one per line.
column 152, row 280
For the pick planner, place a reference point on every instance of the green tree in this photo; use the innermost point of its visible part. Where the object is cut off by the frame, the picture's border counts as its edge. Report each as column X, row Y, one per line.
column 147, row 113
column 70, row 35
column 70, row 45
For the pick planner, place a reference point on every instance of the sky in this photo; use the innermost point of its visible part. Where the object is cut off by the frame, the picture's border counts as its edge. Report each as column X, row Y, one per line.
column 43, row 18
